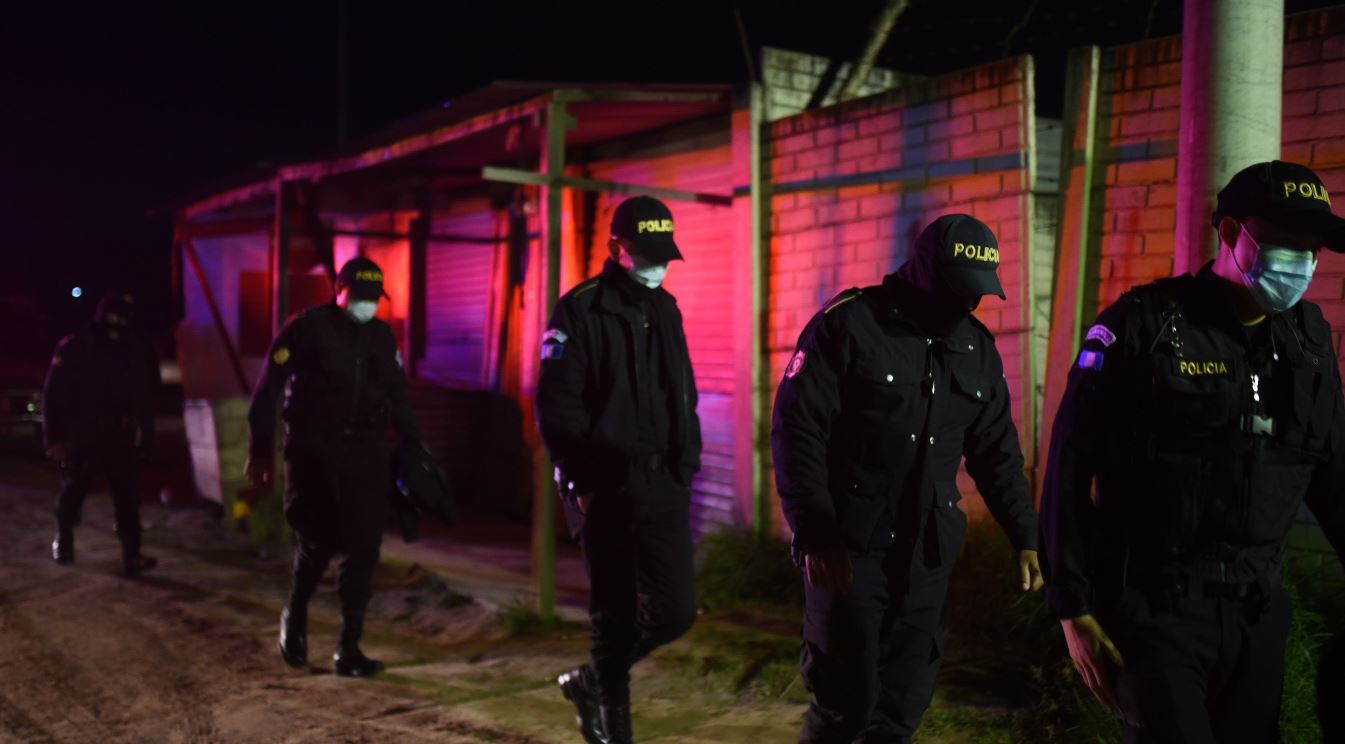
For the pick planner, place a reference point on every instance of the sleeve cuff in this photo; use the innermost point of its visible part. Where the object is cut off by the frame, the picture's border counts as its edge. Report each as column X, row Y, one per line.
column 1065, row 604
column 818, row 536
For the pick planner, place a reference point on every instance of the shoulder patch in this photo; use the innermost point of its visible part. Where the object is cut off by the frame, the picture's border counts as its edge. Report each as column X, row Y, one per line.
column 281, row 355
column 1090, row 360
column 1101, row 334
column 844, row 297
column 553, row 344
column 796, row 364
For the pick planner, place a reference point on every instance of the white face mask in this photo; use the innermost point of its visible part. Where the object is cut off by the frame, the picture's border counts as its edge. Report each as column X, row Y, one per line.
column 363, row 311
column 643, row 270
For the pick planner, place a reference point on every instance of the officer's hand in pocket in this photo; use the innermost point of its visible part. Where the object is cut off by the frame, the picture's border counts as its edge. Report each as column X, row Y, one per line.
column 831, row 570
column 258, row 471
column 1030, row 570
column 1095, row 656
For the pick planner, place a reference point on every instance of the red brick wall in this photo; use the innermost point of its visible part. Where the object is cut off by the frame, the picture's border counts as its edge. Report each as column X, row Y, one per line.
column 1138, row 113
column 856, row 183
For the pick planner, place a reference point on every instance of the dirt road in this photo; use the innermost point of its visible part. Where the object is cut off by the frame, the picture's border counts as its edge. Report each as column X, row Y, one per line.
column 187, row 654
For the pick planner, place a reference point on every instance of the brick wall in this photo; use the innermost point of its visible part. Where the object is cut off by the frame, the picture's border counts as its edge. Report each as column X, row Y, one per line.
column 855, row 183
column 792, row 79
column 1138, row 114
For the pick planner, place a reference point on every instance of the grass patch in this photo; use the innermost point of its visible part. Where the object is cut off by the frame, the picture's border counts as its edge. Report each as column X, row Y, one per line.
column 521, row 621
column 730, row 659
column 1006, row 648
column 740, row 571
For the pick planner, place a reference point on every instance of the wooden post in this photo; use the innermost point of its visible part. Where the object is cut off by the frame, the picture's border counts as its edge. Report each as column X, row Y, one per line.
column 764, row 385
column 280, row 296
column 544, row 506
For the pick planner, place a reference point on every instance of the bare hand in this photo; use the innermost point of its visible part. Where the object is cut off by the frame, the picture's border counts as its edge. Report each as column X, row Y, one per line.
column 1030, row 570
column 258, row 471
column 584, row 500
column 59, row 452
column 831, row 570
column 1095, row 656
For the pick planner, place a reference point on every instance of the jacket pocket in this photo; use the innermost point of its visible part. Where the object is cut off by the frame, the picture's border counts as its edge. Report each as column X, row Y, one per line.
column 861, row 499
column 947, row 527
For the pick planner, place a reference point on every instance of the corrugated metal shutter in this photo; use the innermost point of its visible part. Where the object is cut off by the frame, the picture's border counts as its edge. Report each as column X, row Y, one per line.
column 457, row 300
column 702, row 284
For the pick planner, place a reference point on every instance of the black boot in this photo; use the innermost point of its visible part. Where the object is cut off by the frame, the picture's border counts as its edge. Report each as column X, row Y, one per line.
column 294, row 637
column 132, row 565
column 616, row 724
column 348, row 659
column 580, row 686
column 63, row 547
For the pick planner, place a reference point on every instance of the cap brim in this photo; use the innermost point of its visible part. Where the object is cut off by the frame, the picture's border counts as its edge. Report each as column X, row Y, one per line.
column 1333, row 233
column 974, row 283
column 658, row 251
column 368, row 293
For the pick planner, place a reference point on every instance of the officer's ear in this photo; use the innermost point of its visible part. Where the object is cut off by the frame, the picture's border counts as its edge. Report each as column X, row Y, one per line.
column 614, row 249
column 1229, row 230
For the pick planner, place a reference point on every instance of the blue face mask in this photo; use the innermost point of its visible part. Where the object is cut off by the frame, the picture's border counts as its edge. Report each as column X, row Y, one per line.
column 1279, row 276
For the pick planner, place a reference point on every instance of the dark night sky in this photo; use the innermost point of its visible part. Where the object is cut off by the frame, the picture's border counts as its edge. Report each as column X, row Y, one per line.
column 106, row 112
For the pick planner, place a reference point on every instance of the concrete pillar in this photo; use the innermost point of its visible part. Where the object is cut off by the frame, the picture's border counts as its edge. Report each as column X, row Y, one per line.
column 1232, row 88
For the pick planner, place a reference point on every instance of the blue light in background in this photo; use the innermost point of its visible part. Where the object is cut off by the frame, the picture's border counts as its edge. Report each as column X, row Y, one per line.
column 77, row 292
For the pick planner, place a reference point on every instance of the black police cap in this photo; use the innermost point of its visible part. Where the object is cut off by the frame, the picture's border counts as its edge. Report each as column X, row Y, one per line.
column 363, row 277
column 1288, row 194
column 648, row 224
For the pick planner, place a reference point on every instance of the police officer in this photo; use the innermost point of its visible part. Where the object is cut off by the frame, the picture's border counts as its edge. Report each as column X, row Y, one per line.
column 346, row 385
column 617, row 408
column 1206, row 408
column 99, row 407
column 890, row 387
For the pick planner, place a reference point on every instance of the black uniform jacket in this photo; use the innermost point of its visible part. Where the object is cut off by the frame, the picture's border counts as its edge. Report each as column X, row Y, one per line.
column 100, row 393
column 586, row 397
column 872, row 414
column 346, row 381
column 1203, row 439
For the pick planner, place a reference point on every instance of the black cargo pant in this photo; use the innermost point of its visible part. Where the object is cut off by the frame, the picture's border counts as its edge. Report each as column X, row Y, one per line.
column 637, row 549
column 871, row 656
column 336, row 499
column 122, row 468
column 1199, row 671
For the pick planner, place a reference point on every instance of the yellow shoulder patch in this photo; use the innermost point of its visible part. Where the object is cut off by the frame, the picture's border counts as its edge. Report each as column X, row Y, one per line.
column 281, row 355
column 841, row 301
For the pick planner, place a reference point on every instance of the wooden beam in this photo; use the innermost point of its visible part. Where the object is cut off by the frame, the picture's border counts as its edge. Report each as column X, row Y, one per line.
column 710, row 94
column 519, row 176
column 416, row 143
